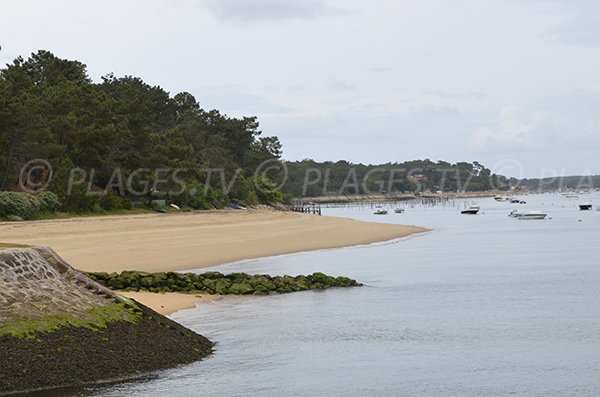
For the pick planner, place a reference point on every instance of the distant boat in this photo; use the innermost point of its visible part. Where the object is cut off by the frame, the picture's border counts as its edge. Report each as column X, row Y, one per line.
column 585, row 206
column 472, row 210
column 380, row 211
column 515, row 201
column 532, row 215
column 500, row 198
column 399, row 210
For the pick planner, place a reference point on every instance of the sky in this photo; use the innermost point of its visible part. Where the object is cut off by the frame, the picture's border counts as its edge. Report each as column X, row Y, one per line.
column 513, row 84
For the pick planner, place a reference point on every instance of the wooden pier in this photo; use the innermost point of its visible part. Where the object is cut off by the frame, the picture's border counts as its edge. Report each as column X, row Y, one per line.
column 310, row 208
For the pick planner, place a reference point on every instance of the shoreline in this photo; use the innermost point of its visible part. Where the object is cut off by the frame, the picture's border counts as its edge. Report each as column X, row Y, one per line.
column 191, row 241
column 170, row 302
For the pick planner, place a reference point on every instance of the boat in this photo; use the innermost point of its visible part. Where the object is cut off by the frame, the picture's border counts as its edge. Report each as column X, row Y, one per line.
column 532, row 215
column 380, row 211
column 514, row 214
column 500, row 198
column 399, row 210
column 472, row 210
column 585, row 206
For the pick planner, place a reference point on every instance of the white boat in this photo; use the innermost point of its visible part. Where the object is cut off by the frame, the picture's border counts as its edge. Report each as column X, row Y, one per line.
column 472, row 210
column 514, row 214
column 532, row 215
column 399, row 210
column 380, row 211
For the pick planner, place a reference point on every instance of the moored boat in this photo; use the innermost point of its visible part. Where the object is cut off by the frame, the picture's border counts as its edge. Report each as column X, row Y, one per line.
column 380, row 211
column 472, row 210
column 585, row 206
column 399, row 210
column 532, row 215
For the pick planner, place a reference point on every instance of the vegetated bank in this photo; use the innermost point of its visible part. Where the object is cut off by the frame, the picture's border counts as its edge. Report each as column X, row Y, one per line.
column 217, row 283
column 58, row 328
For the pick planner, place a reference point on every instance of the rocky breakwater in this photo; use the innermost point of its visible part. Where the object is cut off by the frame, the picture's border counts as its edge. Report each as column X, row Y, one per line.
column 58, row 328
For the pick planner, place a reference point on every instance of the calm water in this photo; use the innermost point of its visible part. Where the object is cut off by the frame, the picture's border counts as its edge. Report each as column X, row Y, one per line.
column 483, row 305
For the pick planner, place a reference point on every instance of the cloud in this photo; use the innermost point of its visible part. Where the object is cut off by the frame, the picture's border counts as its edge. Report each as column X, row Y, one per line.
column 430, row 111
column 478, row 96
column 578, row 23
column 381, row 69
column 252, row 11
column 513, row 130
column 238, row 100
column 339, row 85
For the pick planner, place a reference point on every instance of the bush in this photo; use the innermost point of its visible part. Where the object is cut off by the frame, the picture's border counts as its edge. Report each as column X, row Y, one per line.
column 50, row 201
column 112, row 201
column 23, row 205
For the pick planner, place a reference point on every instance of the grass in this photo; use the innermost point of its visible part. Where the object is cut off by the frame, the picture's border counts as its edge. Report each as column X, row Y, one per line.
column 95, row 318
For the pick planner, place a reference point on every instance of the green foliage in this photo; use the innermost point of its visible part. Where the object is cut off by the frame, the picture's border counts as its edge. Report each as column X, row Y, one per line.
column 50, row 109
column 25, row 205
column 267, row 191
column 112, row 201
column 218, row 283
column 344, row 178
column 50, row 201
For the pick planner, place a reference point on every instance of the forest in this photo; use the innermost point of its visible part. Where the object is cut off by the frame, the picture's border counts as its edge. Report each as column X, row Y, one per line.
column 308, row 178
column 122, row 129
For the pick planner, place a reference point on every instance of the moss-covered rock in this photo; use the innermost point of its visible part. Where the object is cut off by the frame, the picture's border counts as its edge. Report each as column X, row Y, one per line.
column 218, row 283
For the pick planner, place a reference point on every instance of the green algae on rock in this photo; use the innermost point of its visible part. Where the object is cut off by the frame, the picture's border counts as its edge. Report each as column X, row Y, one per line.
column 218, row 283
column 58, row 328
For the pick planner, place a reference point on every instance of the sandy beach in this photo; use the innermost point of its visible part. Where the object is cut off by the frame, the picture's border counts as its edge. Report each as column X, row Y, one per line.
column 169, row 303
column 185, row 241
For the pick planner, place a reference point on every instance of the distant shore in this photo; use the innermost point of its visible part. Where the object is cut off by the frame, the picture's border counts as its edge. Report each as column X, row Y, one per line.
column 186, row 241
column 401, row 197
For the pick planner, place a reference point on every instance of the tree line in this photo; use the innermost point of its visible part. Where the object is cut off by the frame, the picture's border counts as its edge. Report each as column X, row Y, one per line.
column 51, row 109
column 308, row 178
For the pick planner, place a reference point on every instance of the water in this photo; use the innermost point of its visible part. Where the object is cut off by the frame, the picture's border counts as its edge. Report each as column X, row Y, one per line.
column 482, row 305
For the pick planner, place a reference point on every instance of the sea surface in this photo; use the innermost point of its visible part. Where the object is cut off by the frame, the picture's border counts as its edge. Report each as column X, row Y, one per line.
column 484, row 305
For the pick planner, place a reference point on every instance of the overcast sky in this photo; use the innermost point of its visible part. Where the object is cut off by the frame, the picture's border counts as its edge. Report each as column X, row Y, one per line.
column 374, row 81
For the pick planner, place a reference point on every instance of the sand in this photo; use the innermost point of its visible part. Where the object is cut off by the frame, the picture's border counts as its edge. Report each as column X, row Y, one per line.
column 185, row 241
column 169, row 303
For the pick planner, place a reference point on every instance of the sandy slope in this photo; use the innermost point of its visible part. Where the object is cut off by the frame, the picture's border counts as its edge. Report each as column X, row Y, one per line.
column 163, row 242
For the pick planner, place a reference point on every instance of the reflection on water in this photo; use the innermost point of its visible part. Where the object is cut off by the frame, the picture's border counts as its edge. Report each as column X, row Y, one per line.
column 483, row 305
